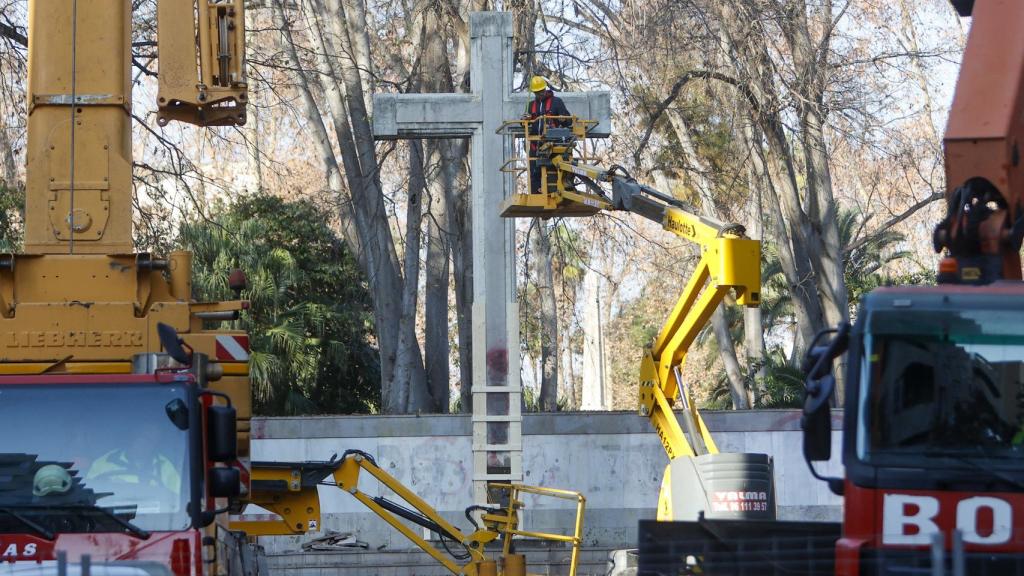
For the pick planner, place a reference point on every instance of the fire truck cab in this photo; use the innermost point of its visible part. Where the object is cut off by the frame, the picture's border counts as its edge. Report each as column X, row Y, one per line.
column 933, row 442
column 120, row 468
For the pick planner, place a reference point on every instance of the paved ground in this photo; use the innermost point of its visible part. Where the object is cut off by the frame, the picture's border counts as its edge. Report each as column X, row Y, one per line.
column 540, row 560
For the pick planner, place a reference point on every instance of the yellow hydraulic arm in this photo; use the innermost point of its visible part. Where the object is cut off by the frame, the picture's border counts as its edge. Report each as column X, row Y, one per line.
column 290, row 491
column 729, row 262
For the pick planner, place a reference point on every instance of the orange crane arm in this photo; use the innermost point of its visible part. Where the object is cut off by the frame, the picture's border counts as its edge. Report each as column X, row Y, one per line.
column 984, row 225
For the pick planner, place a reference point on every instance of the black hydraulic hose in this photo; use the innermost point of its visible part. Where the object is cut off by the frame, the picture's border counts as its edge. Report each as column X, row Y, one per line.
column 411, row 515
column 592, row 186
column 476, row 507
column 616, row 168
column 444, row 543
column 420, row 520
column 368, row 457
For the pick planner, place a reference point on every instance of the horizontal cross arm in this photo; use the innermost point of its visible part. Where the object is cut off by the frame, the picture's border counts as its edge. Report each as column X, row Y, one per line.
column 397, row 116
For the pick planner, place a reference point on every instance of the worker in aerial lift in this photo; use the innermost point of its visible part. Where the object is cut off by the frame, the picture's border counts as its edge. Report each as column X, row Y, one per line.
column 544, row 103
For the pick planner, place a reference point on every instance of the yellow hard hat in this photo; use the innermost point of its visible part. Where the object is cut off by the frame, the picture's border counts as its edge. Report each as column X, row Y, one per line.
column 538, row 83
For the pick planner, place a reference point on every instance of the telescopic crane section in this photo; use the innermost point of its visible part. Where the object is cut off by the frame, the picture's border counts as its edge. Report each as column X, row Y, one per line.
column 81, row 300
column 79, row 172
column 729, row 261
column 217, row 95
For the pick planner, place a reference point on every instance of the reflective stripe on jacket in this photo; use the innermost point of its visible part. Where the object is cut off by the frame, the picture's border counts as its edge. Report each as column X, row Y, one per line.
column 550, row 105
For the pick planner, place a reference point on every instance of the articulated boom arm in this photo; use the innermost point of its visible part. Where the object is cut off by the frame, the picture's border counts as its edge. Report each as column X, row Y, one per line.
column 289, row 489
column 729, row 262
column 726, row 263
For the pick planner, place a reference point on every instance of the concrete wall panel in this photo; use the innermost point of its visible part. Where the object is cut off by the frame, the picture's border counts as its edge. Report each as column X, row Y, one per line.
column 614, row 459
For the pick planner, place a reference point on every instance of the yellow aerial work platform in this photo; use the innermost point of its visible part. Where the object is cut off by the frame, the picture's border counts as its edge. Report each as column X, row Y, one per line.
column 554, row 204
column 551, row 144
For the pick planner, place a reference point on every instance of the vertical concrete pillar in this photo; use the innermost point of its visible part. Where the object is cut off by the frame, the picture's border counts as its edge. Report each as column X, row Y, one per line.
column 497, row 390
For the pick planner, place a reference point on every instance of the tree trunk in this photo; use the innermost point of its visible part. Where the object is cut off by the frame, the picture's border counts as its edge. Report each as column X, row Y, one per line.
column 791, row 253
column 435, row 337
column 742, row 38
column 435, row 76
column 524, row 22
column 753, row 330
column 448, row 227
column 593, row 389
column 909, row 31
column 611, row 294
column 810, row 59
column 364, row 218
column 352, row 63
column 359, row 39
column 459, row 227
column 548, row 320
column 408, row 393
column 719, row 325
column 572, row 393
column 737, row 387
column 8, row 167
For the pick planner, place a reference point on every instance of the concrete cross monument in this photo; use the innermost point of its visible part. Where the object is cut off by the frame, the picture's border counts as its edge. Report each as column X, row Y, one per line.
column 497, row 390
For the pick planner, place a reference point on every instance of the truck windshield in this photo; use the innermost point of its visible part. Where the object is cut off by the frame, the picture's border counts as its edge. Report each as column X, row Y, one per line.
column 66, row 450
column 940, row 384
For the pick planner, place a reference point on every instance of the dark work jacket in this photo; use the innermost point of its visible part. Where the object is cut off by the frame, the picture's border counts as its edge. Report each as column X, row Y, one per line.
column 550, row 105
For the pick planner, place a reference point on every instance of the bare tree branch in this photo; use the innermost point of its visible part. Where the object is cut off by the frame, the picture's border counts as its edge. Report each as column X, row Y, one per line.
column 892, row 222
column 11, row 32
column 674, row 93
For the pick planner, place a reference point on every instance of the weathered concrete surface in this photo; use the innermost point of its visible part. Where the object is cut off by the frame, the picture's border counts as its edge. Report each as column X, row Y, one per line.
column 497, row 390
column 615, row 459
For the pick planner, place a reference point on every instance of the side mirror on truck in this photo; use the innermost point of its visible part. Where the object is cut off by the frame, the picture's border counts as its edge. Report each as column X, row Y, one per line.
column 221, row 447
column 222, row 437
column 817, row 427
column 225, row 482
column 820, row 385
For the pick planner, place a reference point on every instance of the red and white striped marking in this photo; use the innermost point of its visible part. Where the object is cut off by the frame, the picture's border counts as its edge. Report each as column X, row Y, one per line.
column 234, row 348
